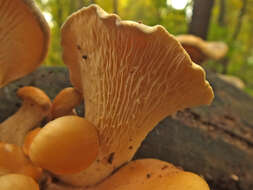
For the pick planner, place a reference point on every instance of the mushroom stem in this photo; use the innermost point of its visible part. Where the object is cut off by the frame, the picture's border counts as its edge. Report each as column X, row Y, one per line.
column 36, row 106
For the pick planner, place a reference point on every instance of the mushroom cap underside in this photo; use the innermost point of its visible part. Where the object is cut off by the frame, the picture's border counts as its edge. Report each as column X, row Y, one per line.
column 24, row 38
column 116, row 63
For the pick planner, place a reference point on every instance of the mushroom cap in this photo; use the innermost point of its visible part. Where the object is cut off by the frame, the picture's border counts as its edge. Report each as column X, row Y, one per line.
column 13, row 160
column 24, row 36
column 65, row 101
column 65, row 145
column 132, row 76
column 35, row 96
column 152, row 174
column 235, row 81
column 17, row 182
column 199, row 50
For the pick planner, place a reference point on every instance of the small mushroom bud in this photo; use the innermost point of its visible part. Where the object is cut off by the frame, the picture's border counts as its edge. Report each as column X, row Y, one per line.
column 65, row 145
column 13, row 160
column 17, row 182
column 36, row 106
column 65, row 102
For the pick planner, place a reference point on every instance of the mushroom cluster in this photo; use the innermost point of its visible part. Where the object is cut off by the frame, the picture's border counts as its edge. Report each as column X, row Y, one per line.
column 130, row 75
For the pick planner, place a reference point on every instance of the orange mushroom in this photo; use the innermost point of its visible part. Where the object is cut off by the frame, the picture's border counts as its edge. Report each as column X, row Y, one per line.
column 151, row 174
column 13, row 160
column 24, row 38
column 17, row 182
column 200, row 50
column 132, row 76
column 65, row 145
column 65, row 102
column 36, row 106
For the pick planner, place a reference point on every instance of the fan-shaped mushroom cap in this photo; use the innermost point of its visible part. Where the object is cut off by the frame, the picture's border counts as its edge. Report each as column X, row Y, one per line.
column 17, row 182
column 200, row 50
column 152, row 174
column 132, row 76
column 65, row 102
column 67, row 144
column 24, row 38
column 13, row 160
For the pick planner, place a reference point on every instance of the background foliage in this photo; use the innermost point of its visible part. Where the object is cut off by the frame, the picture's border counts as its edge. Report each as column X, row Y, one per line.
column 231, row 22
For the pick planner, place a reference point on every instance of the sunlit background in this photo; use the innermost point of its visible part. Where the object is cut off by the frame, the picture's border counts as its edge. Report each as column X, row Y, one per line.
column 231, row 21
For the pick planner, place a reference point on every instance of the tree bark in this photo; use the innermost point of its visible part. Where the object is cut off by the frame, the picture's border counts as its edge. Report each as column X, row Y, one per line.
column 115, row 6
column 240, row 19
column 222, row 13
column 202, row 10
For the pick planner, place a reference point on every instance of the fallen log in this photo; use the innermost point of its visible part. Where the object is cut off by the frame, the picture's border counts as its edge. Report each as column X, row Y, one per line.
column 214, row 141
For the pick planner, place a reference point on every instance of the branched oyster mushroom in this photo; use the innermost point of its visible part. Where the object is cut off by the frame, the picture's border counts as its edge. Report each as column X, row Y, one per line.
column 24, row 38
column 132, row 76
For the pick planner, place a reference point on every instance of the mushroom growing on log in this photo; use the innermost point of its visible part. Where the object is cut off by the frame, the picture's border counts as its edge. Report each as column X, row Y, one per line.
column 65, row 102
column 132, row 76
column 17, row 182
column 13, row 160
column 36, row 106
column 200, row 50
column 24, row 38
column 65, row 145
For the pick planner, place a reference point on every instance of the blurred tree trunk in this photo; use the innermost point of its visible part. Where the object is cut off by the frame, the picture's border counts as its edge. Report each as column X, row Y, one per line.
column 202, row 10
column 115, row 6
column 222, row 13
column 59, row 18
column 240, row 19
column 80, row 4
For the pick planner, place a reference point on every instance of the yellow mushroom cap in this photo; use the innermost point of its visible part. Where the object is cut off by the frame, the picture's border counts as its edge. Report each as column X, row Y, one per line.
column 24, row 38
column 152, row 174
column 17, row 182
column 13, row 160
column 65, row 145
column 65, row 102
